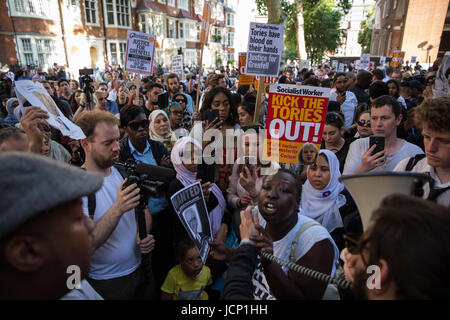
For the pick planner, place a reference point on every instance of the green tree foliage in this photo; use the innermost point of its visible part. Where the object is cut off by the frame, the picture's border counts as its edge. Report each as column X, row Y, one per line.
column 321, row 22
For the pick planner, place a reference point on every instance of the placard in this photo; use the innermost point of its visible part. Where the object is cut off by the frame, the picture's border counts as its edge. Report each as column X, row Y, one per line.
column 177, row 66
column 189, row 204
column 295, row 116
column 140, row 52
column 397, row 58
column 413, row 59
column 206, row 23
column 358, row 64
column 36, row 95
column 340, row 67
column 365, row 60
column 244, row 78
column 265, row 45
column 382, row 60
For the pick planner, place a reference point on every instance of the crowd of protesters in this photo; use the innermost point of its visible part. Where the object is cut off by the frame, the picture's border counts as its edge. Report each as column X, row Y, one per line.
column 57, row 215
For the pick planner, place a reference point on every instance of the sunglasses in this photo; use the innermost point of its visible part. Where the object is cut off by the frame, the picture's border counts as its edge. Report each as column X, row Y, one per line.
column 364, row 122
column 180, row 100
column 137, row 124
column 351, row 241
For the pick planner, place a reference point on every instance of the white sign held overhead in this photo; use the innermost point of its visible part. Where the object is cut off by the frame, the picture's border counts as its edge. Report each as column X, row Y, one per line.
column 140, row 52
column 365, row 60
column 413, row 59
column 358, row 64
column 265, row 45
column 177, row 66
column 382, row 60
column 340, row 67
column 36, row 95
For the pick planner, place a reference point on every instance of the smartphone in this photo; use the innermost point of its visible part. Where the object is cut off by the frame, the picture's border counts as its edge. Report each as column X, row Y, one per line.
column 206, row 173
column 212, row 115
column 250, row 162
column 378, row 141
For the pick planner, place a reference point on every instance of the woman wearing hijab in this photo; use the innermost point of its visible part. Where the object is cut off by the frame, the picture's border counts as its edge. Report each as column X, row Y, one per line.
column 159, row 129
column 11, row 118
column 322, row 197
column 186, row 169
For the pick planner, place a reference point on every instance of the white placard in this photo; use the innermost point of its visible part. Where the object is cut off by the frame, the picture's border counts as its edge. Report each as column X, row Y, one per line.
column 365, row 60
column 340, row 67
column 140, row 52
column 265, row 45
column 177, row 66
column 37, row 96
column 358, row 64
column 382, row 60
column 413, row 59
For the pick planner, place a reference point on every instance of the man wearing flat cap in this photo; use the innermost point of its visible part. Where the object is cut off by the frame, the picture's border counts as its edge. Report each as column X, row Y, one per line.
column 43, row 231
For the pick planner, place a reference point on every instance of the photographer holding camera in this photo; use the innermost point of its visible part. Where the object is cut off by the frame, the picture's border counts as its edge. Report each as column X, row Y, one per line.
column 116, row 271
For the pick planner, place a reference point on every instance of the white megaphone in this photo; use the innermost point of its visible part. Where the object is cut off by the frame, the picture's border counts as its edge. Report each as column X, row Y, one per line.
column 369, row 189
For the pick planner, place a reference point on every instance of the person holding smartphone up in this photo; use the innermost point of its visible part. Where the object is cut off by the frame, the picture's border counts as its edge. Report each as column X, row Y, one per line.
column 385, row 150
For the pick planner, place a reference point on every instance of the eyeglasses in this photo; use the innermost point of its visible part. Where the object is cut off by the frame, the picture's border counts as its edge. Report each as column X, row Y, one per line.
column 177, row 112
column 180, row 100
column 137, row 124
column 351, row 241
column 364, row 122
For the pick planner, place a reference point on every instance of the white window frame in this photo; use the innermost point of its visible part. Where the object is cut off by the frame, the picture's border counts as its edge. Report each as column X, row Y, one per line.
column 190, row 56
column 162, row 1
column 183, row 4
column 120, row 44
column 172, row 22
column 115, row 12
column 53, row 54
column 97, row 19
column 48, row 9
column 171, row 3
column 143, row 18
column 229, row 43
column 231, row 15
column 181, row 30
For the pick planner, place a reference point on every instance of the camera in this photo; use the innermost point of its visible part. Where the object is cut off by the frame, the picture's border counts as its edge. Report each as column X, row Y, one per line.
column 85, row 84
column 141, row 173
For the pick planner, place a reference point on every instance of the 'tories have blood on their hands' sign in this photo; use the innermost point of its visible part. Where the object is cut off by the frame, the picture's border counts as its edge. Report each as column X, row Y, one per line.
column 265, row 44
column 140, row 52
column 295, row 116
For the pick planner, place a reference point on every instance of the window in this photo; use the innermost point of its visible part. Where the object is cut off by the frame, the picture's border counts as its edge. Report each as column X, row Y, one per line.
column 41, row 52
column 171, row 3
column 143, row 23
column 180, row 30
column 230, row 39
column 32, row 7
column 171, row 29
column 118, row 12
column 198, row 32
column 183, row 4
column 27, row 51
column 44, row 48
column 90, row 9
column 162, row 1
column 230, row 19
column 117, row 52
column 190, row 57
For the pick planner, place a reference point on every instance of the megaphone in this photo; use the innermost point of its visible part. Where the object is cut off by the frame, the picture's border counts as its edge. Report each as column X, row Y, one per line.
column 369, row 189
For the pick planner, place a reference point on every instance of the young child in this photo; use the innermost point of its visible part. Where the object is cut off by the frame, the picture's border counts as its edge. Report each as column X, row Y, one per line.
column 187, row 280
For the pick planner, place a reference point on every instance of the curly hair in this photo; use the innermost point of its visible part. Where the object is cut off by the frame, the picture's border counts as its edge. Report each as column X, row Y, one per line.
column 435, row 113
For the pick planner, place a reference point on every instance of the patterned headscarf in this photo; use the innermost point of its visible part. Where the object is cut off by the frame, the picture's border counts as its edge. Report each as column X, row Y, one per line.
column 168, row 109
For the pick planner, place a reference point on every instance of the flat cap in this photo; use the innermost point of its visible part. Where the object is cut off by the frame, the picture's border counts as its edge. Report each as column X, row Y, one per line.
column 31, row 183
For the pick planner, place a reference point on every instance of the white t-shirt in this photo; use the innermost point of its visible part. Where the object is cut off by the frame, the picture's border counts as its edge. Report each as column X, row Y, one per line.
column 358, row 147
column 86, row 292
column 423, row 167
column 347, row 107
column 119, row 255
column 282, row 249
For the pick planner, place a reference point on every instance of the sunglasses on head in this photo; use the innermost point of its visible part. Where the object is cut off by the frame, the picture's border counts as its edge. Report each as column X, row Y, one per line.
column 137, row 124
column 351, row 241
column 362, row 123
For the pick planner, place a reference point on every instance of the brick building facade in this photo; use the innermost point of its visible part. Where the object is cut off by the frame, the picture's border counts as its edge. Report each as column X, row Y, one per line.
column 413, row 26
column 89, row 33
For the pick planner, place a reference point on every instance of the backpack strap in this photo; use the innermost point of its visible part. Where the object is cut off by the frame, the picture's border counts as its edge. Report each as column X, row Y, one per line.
column 91, row 202
column 303, row 228
column 413, row 161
